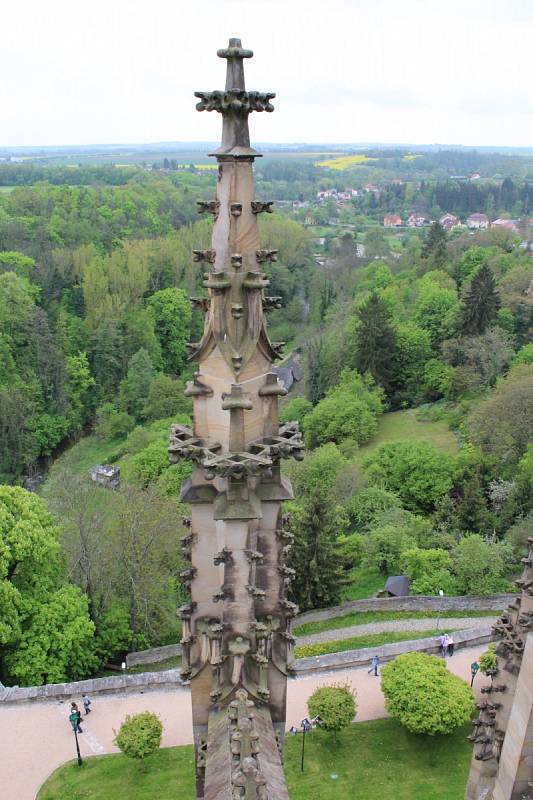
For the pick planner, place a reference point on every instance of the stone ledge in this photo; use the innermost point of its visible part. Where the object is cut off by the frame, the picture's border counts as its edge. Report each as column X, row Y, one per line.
column 493, row 602
column 120, row 683
column 357, row 658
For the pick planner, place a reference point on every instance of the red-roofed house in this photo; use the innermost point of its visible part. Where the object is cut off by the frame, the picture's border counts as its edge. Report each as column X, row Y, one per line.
column 392, row 221
column 417, row 219
column 506, row 224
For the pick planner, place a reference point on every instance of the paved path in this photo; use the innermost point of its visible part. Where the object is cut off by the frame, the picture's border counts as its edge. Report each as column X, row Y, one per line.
column 428, row 624
column 36, row 738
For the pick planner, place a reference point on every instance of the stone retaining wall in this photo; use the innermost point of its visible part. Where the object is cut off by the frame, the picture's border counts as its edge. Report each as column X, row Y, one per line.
column 140, row 682
column 153, row 655
column 492, row 602
column 386, row 652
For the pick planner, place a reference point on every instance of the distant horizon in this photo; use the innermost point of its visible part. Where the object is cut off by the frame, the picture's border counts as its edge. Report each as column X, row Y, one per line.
column 184, row 144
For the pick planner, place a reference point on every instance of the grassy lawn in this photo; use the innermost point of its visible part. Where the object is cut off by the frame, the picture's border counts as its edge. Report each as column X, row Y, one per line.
column 364, row 583
column 377, row 759
column 363, row 617
column 399, row 425
column 358, row 642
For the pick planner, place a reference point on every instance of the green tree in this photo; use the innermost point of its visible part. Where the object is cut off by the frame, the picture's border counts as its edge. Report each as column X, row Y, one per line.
column 434, row 248
column 41, row 618
column 428, row 570
column 418, row 472
column 79, row 384
column 139, row 735
column 296, row 409
column 376, row 342
column 350, row 410
column 364, row 507
column 424, row 696
column 335, row 704
column 479, row 566
column 481, row 302
column 437, row 310
column 488, row 659
column 135, row 387
column 166, row 399
column 502, row 424
column 316, row 520
column 59, row 643
column 172, row 315
column 384, row 546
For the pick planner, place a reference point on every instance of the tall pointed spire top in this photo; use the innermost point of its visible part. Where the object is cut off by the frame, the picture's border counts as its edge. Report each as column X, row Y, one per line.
column 235, row 104
column 235, row 69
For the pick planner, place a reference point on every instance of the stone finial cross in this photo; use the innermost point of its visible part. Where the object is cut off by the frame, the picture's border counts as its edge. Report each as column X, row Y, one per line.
column 234, row 53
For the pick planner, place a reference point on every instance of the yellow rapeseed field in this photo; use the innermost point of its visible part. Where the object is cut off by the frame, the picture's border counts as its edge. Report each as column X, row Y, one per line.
column 345, row 162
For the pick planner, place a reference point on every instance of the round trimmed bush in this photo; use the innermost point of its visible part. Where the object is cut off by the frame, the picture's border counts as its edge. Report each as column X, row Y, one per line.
column 139, row 735
column 335, row 705
column 424, row 696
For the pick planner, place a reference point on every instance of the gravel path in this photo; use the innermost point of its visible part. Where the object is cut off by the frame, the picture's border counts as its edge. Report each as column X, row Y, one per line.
column 449, row 623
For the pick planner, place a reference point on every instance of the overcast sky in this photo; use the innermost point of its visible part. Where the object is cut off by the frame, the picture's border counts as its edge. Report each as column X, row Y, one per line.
column 414, row 71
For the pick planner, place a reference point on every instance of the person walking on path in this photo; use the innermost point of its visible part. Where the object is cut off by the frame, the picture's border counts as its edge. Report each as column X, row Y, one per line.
column 374, row 661
column 86, row 704
column 75, row 710
column 443, row 641
column 451, row 645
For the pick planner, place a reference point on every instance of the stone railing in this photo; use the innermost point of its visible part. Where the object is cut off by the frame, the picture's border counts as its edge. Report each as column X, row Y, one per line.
column 492, row 602
column 141, row 681
column 154, row 655
column 349, row 659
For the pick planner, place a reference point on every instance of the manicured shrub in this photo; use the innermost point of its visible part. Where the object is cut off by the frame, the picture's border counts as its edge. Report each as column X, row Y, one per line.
column 335, row 705
column 488, row 660
column 139, row 735
column 424, row 696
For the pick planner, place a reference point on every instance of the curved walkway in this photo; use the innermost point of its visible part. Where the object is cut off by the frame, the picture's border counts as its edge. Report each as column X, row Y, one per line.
column 36, row 738
column 427, row 624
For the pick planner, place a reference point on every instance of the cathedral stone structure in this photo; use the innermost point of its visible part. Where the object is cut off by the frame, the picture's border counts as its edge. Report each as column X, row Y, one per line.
column 237, row 638
column 502, row 763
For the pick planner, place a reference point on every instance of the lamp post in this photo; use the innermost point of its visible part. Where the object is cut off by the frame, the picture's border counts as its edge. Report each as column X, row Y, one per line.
column 306, row 725
column 123, row 666
column 441, row 594
column 474, row 668
column 73, row 719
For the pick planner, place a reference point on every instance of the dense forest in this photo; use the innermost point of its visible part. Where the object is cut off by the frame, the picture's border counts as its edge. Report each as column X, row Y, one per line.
column 94, row 325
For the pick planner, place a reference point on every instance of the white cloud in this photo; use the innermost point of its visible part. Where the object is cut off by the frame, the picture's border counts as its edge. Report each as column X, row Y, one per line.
column 345, row 70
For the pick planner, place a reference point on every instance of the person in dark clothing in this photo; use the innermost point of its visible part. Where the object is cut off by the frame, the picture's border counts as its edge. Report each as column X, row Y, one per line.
column 75, row 710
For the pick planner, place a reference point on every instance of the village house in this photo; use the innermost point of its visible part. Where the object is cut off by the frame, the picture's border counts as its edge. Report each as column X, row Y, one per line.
column 478, row 221
column 475, row 176
column 371, row 187
column 506, row 224
column 392, row 220
column 449, row 221
column 417, row 220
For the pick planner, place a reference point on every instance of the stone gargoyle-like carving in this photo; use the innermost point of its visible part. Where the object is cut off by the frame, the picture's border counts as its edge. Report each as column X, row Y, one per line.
column 238, row 101
column 208, row 207
column 196, row 388
column 288, row 444
column 272, row 303
column 207, row 256
column 218, row 281
column 200, row 303
column 259, row 208
column 255, row 280
column 266, row 255
column 236, row 466
column 185, row 445
column 235, row 209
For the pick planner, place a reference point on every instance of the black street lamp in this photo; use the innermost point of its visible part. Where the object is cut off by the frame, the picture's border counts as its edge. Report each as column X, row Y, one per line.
column 306, row 725
column 474, row 669
column 73, row 718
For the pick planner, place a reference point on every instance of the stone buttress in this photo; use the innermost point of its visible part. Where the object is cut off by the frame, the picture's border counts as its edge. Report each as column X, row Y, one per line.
column 502, row 763
column 237, row 638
